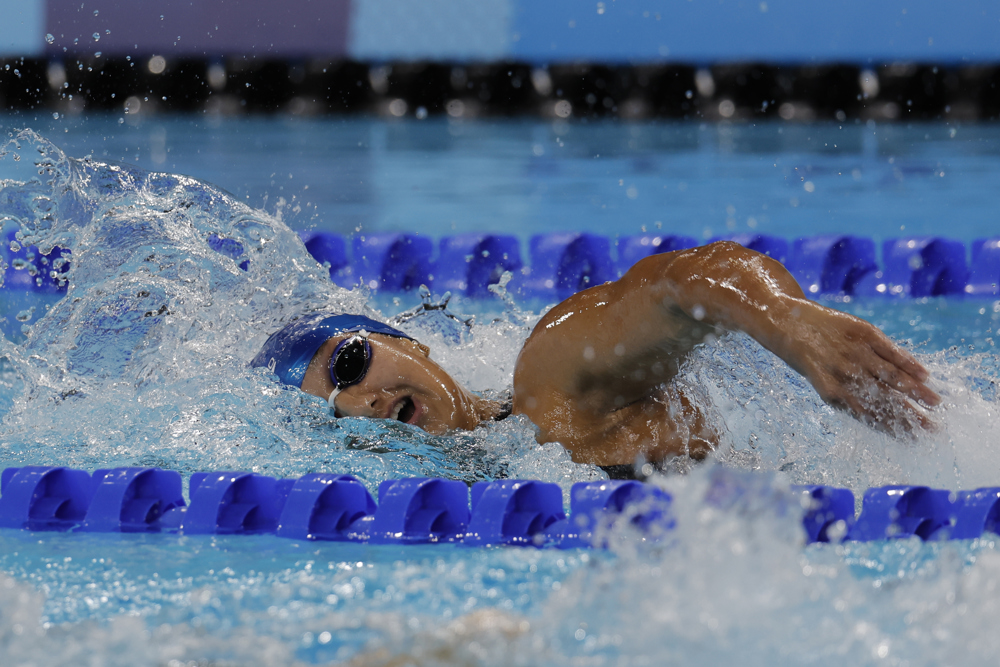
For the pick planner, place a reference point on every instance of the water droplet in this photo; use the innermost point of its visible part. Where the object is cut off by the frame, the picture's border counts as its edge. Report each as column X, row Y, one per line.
column 49, row 38
column 96, row 36
column 96, row 12
column 55, row 115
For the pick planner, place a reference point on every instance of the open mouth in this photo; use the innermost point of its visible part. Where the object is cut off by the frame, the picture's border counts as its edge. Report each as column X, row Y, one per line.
column 405, row 410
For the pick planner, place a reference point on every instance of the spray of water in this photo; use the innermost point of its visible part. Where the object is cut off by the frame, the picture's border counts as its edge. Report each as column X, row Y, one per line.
column 144, row 362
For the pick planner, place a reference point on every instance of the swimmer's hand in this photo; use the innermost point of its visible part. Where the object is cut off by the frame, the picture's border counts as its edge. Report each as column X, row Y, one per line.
column 856, row 367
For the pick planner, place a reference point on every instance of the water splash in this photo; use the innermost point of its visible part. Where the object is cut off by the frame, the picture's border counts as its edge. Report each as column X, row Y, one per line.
column 144, row 362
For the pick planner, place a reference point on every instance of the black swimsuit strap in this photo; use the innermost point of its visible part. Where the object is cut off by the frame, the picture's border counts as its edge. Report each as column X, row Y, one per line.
column 622, row 471
column 506, row 409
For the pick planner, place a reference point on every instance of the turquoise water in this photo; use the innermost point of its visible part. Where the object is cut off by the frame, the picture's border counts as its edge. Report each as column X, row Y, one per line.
column 144, row 363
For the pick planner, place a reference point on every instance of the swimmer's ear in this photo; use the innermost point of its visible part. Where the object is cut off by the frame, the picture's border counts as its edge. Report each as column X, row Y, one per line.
column 423, row 348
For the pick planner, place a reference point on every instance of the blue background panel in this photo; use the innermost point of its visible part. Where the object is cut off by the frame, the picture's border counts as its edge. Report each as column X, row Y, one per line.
column 771, row 30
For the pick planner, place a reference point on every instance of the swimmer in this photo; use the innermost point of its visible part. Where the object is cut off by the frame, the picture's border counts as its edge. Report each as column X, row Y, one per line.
column 596, row 373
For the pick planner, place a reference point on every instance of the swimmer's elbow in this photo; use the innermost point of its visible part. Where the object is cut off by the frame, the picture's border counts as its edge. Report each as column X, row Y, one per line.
column 719, row 265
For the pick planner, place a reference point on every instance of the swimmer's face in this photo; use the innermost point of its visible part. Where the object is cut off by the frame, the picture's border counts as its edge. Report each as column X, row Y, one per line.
column 402, row 383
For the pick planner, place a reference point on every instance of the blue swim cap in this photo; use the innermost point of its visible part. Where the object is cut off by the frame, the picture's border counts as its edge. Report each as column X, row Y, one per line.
column 289, row 350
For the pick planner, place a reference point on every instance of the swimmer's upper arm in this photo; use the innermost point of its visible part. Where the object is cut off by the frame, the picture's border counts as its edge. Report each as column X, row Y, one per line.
column 587, row 348
column 611, row 344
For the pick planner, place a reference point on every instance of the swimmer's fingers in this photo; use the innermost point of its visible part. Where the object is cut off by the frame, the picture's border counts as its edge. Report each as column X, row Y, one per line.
column 898, row 357
column 875, row 403
column 897, row 412
column 899, row 378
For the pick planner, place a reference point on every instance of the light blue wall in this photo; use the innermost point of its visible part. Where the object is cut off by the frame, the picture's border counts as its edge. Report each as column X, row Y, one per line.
column 439, row 30
column 770, row 30
column 22, row 27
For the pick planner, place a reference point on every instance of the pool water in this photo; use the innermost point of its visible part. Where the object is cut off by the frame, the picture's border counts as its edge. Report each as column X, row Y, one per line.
column 442, row 177
column 143, row 362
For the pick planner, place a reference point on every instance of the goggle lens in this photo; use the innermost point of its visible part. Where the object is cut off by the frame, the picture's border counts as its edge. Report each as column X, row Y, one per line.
column 350, row 362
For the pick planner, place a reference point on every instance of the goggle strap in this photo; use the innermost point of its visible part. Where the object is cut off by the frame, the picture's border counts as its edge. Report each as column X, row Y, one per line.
column 333, row 397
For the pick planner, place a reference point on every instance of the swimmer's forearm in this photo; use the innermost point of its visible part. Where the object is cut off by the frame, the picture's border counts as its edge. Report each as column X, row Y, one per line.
column 850, row 362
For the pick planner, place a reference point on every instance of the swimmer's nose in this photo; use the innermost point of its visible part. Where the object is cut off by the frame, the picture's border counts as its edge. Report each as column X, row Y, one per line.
column 355, row 403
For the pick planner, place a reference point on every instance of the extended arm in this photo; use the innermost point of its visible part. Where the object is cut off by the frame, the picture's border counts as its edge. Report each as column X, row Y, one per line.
column 850, row 363
column 605, row 350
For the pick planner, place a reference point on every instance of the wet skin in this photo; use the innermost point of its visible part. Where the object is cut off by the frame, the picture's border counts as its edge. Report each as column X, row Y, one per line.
column 595, row 373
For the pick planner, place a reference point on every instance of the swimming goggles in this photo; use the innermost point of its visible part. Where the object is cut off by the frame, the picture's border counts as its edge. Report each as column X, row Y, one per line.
column 349, row 363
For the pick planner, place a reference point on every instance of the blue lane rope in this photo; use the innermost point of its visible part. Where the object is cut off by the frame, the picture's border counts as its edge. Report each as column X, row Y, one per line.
column 564, row 263
column 321, row 506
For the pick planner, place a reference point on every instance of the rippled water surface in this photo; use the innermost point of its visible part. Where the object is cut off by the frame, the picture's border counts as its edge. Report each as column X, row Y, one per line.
column 144, row 362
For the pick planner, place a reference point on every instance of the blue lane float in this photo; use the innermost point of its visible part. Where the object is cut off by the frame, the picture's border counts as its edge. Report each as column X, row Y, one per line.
column 597, row 503
column 835, row 265
column 826, row 509
column 420, row 510
column 329, row 507
column 895, row 512
column 563, row 264
column 514, row 512
column 234, row 503
column 322, row 506
column 469, row 263
column 979, row 512
column 330, row 250
column 924, row 266
column 131, row 500
column 44, row 498
column 984, row 275
column 393, row 262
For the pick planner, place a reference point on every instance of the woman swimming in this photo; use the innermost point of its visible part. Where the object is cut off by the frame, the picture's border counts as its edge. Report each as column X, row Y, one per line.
column 596, row 372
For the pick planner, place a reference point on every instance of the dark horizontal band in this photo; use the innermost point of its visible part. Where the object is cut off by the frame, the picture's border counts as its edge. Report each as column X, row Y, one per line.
column 151, row 84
